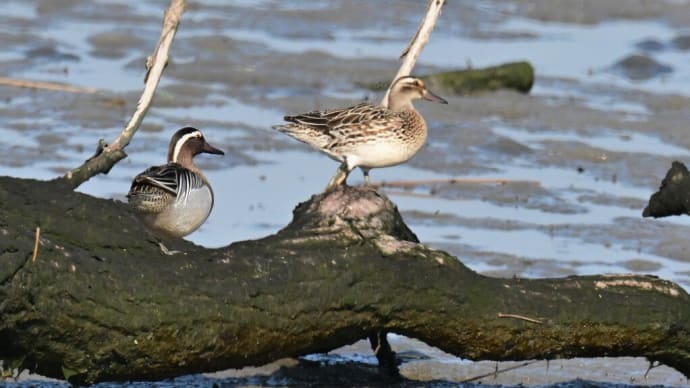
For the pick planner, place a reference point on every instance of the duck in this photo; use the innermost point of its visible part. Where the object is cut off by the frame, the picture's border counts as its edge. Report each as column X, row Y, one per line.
column 366, row 135
column 175, row 199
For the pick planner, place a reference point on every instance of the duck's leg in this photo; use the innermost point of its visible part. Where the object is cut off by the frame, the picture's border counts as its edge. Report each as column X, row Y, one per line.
column 365, row 171
column 339, row 177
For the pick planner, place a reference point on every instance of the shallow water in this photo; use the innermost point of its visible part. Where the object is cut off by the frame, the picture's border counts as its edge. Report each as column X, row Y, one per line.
column 583, row 152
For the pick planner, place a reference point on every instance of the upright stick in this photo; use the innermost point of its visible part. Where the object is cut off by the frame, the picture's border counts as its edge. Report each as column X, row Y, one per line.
column 107, row 155
column 414, row 48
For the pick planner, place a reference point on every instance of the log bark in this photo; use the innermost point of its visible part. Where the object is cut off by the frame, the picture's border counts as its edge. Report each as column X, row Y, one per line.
column 100, row 302
column 673, row 197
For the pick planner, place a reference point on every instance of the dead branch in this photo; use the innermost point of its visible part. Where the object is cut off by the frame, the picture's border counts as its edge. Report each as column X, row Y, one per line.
column 107, row 156
column 417, row 43
column 516, row 316
column 38, row 237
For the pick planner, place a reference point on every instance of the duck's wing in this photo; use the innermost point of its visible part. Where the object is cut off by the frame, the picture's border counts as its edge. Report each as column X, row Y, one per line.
column 171, row 178
column 331, row 129
column 328, row 120
column 156, row 178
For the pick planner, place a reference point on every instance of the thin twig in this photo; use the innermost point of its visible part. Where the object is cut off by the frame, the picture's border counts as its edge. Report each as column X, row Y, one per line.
column 451, row 181
column 417, row 43
column 497, row 371
column 106, row 158
column 38, row 236
column 24, row 83
column 524, row 318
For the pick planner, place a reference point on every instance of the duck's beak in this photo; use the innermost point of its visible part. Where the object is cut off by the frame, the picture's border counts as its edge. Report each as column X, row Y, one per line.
column 209, row 149
column 433, row 98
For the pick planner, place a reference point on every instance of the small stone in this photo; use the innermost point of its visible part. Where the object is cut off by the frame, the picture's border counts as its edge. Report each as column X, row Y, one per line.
column 640, row 67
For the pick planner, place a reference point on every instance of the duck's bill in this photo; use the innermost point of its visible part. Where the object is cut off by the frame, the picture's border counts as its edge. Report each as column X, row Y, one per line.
column 434, row 98
column 209, row 149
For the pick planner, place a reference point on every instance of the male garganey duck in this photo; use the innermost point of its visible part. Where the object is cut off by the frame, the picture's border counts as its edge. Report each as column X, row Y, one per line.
column 365, row 135
column 174, row 199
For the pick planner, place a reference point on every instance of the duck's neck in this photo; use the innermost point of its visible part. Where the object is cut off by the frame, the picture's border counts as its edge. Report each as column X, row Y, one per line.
column 185, row 159
column 399, row 104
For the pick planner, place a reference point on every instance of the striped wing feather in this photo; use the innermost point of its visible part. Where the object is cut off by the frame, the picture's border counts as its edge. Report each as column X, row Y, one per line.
column 344, row 124
column 171, row 178
column 334, row 118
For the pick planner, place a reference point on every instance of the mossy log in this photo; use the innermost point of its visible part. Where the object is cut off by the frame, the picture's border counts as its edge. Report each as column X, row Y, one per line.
column 673, row 197
column 517, row 76
column 98, row 301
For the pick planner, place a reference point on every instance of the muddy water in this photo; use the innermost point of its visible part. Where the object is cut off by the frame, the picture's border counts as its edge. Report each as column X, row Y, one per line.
column 583, row 152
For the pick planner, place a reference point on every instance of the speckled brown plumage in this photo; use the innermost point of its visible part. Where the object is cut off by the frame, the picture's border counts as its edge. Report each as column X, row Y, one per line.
column 365, row 135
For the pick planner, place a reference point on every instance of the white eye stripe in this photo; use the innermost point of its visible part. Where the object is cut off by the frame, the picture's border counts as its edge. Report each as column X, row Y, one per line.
column 181, row 141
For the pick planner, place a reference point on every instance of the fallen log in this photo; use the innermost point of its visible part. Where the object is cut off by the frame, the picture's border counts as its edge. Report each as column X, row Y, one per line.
column 518, row 76
column 98, row 301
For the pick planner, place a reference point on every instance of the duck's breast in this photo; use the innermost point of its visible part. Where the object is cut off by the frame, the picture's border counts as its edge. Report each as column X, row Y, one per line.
column 187, row 213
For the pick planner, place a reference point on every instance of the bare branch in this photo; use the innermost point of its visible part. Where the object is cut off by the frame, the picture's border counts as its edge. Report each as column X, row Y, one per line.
column 38, row 237
column 497, row 371
column 107, row 155
column 417, row 43
column 516, row 316
column 23, row 83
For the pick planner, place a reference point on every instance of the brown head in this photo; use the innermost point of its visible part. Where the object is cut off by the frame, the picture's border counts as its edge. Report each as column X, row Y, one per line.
column 406, row 89
column 187, row 143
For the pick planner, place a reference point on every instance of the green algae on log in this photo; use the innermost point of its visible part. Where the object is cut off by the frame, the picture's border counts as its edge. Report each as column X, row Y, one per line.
column 517, row 76
column 100, row 302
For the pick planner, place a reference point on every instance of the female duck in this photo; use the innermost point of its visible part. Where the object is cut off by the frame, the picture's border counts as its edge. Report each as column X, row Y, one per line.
column 365, row 135
column 174, row 199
